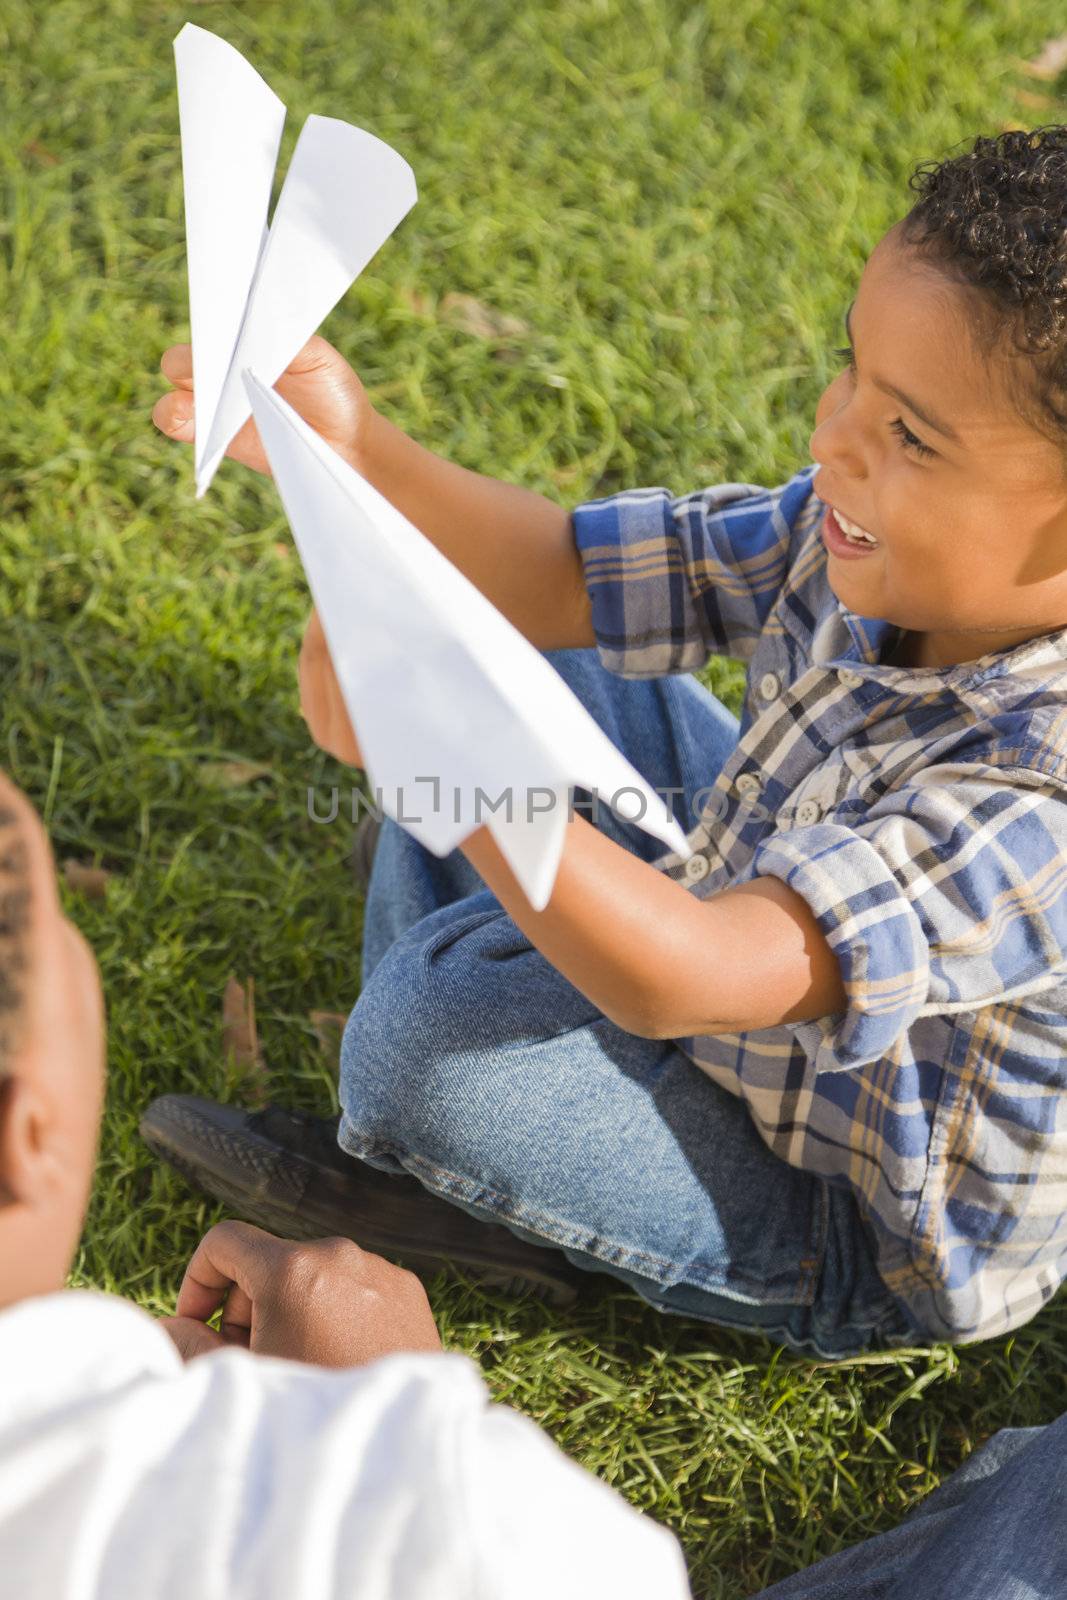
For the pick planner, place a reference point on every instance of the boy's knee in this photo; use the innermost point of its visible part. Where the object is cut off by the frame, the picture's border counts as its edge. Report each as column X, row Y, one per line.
column 416, row 1050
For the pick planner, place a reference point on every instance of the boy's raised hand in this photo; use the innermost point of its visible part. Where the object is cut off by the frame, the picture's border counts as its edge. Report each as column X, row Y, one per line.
column 322, row 387
column 318, row 383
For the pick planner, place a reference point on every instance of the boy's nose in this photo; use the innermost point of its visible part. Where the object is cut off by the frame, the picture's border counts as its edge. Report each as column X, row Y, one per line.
column 835, row 441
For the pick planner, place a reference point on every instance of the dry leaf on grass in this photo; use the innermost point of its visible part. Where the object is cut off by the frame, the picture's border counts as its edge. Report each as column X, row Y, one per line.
column 1036, row 102
column 233, row 774
column 416, row 301
column 240, row 1041
column 485, row 322
column 1050, row 59
column 37, row 150
column 328, row 1026
column 84, row 878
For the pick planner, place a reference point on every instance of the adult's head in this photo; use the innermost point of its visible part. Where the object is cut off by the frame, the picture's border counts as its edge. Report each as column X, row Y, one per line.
column 945, row 438
column 51, row 1063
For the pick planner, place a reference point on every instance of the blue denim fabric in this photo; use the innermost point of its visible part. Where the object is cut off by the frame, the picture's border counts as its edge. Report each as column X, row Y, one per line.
column 470, row 1062
column 994, row 1530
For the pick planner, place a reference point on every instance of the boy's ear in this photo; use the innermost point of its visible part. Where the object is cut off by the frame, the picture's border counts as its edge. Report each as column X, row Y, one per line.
column 23, row 1141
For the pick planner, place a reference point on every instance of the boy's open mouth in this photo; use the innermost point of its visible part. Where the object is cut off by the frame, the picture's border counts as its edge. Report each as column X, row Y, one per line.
column 843, row 537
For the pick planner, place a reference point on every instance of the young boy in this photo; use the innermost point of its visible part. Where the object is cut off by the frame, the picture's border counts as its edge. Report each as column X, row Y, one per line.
column 812, row 1080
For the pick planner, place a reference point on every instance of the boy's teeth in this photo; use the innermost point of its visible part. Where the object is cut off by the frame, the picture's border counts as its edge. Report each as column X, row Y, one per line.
column 854, row 532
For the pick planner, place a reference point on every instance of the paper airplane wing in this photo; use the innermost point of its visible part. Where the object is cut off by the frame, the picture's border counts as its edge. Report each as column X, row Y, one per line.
column 231, row 126
column 344, row 194
column 257, row 295
column 461, row 720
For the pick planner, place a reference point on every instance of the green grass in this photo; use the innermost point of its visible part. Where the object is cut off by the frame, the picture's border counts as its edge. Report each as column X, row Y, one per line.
column 676, row 199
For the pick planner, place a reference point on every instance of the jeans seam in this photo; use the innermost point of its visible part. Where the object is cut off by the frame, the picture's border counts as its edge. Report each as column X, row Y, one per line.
column 811, row 1265
column 853, row 1335
column 445, row 937
column 810, row 1345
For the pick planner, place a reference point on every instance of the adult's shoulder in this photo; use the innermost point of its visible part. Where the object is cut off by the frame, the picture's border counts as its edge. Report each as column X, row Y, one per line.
column 58, row 1347
column 263, row 1478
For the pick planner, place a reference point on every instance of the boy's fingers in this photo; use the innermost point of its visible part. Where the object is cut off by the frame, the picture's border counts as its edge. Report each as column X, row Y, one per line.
column 177, row 365
column 177, row 362
column 174, row 415
column 318, row 352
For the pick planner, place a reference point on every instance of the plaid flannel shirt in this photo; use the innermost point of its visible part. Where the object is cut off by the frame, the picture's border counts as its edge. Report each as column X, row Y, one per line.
column 922, row 814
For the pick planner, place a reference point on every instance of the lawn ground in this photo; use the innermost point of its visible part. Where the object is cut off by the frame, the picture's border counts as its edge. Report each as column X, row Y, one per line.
column 673, row 200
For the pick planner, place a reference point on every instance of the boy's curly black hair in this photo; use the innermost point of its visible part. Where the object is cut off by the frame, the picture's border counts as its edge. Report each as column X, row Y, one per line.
column 995, row 218
column 15, row 907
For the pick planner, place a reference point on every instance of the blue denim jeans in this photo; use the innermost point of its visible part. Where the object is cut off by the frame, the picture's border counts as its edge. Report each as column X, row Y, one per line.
column 472, row 1063
column 994, row 1530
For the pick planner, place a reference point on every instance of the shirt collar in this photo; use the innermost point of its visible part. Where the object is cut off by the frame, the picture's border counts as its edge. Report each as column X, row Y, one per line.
column 847, row 638
column 842, row 636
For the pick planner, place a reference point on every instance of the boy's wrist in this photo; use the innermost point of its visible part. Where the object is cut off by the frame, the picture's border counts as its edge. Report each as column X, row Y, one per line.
column 363, row 449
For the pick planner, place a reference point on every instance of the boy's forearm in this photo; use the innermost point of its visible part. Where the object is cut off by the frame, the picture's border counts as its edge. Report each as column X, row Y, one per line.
column 516, row 546
column 658, row 961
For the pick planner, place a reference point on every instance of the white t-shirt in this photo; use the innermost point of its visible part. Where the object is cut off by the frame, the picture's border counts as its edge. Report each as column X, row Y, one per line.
column 125, row 1473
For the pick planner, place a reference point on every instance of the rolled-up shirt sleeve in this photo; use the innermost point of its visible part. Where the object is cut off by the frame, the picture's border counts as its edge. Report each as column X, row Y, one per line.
column 674, row 580
column 948, row 895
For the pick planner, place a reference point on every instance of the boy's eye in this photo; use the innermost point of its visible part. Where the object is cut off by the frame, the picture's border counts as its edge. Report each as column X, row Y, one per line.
column 907, row 439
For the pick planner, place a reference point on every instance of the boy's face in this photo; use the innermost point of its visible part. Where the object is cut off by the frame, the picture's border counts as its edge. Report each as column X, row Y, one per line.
column 50, row 1099
column 966, row 499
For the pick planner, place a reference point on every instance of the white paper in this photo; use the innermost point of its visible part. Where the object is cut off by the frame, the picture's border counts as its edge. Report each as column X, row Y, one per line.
column 231, row 126
column 460, row 719
column 257, row 294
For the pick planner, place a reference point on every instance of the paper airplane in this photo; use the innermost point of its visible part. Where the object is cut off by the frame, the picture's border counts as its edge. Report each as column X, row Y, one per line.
column 257, row 294
column 460, row 719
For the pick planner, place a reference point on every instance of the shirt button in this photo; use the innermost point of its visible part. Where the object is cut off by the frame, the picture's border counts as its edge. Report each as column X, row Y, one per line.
column 850, row 679
column 747, row 784
column 769, row 687
column 697, row 867
column 808, row 811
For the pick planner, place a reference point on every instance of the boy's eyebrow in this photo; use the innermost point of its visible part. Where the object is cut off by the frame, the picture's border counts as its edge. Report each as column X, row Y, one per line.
column 905, row 400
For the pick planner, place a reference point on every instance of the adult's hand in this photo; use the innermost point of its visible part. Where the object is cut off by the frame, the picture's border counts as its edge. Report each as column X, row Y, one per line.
column 192, row 1338
column 324, row 1301
column 318, row 383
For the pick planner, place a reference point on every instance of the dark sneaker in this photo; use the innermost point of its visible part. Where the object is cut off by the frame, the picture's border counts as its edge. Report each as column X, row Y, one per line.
column 364, row 844
column 285, row 1171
